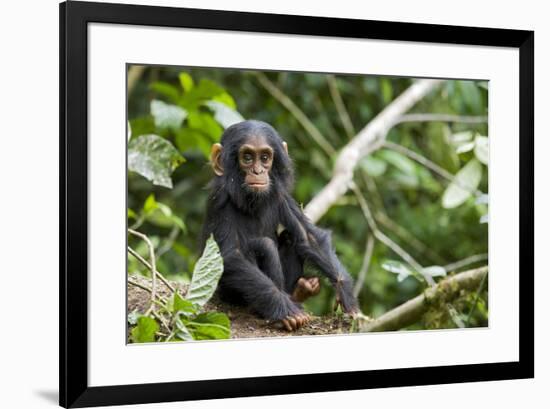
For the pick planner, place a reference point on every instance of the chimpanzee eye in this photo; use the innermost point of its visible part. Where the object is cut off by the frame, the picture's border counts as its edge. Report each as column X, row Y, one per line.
column 264, row 157
column 247, row 158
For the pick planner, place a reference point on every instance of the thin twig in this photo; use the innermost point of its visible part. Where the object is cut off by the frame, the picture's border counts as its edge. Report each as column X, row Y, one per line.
column 146, row 264
column 385, row 239
column 174, row 233
column 364, row 267
column 407, row 237
column 296, row 112
column 153, row 264
column 441, row 118
column 430, row 165
column 466, row 262
column 340, row 106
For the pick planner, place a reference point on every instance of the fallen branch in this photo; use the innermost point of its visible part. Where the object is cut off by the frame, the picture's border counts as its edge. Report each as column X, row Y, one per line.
column 443, row 292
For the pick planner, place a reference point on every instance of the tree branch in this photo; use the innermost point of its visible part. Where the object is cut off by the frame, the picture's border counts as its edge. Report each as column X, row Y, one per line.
column 366, row 141
column 296, row 112
column 364, row 267
column 153, row 264
column 410, row 312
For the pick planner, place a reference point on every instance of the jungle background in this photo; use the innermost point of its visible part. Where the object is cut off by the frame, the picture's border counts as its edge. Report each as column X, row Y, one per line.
column 396, row 168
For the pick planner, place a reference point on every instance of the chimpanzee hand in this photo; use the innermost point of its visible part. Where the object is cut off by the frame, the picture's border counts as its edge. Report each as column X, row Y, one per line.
column 296, row 321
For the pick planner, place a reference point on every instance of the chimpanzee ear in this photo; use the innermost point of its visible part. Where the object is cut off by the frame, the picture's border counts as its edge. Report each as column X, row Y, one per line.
column 215, row 159
column 285, row 147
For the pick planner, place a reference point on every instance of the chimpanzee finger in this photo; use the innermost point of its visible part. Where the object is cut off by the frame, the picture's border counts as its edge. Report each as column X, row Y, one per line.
column 293, row 323
column 286, row 324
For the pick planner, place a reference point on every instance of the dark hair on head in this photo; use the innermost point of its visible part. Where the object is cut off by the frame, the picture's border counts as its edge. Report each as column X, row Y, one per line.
column 281, row 173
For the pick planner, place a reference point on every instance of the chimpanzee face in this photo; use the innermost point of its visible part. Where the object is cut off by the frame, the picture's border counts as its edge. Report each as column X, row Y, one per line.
column 255, row 161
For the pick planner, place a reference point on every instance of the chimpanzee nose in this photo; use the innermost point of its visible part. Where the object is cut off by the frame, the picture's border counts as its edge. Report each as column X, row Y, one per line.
column 257, row 170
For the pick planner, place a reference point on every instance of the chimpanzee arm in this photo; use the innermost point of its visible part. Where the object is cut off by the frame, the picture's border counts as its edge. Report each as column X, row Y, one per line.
column 314, row 244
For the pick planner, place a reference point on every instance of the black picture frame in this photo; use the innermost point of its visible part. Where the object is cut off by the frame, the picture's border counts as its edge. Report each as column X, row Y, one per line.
column 73, row 380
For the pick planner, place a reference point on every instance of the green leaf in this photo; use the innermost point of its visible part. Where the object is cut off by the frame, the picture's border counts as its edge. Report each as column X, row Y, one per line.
column 186, row 81
column 131, row 214
column 177, row 303
column 183, row 332
column 398, row 268
column 192, row 139
column 373, row 166
column 205, row 123
column 141, row 126
column 210, row 325
column 482, row 149
column 145, row 330
column 464, row 183
column 206, row 274
column 399, row 160
column 154, row 158
column 226, row 99
column 435, row 271
column 465, row 147
column 461, row 137
column 160, row 214
column 167, row 115
column 223, row 114
column 168, row 90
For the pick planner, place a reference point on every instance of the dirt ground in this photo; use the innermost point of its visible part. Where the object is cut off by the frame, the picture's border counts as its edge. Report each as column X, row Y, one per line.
column 244, row 324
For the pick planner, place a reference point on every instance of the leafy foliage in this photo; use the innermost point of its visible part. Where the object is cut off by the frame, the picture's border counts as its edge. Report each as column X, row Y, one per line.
column 187, row 320
column 437, row 221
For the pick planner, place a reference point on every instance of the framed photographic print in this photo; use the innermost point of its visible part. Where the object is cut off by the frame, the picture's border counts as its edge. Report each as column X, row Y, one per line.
column 256, row 204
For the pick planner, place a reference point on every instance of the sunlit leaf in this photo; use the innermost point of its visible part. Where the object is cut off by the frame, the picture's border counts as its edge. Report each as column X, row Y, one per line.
column 464, row 184
column 482, row 149
column 153, row 157
column 435, row 271
column 398, row 268
column 167, row 115
column 223, row 114
column 226, row 99
column 167, row 90
column 465, row 147
column 206, row 274
column 145, row 330
column 205, row 123
column 186, row 81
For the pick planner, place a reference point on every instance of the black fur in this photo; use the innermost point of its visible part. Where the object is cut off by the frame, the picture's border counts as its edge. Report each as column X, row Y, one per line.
column 261, row 268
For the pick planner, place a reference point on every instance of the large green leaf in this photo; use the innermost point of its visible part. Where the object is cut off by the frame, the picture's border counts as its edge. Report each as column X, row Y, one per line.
column 482, row 149
column 145, row 330
column 206, row 274
column 167, row 115
column 154, row 158
column 464, row 184
column 223, row 114
column 210, row 325
column 168, row 90
column 205, row 123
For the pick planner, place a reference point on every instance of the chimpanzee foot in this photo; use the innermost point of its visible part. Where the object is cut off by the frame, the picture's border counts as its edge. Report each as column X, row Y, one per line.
column 305, row 288
column 296, row 321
